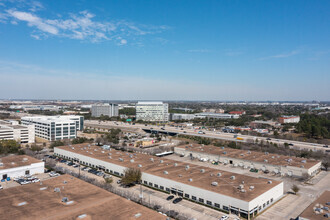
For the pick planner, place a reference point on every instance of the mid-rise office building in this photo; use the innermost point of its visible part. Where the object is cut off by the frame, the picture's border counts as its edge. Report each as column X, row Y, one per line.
column 11, row 130
column 178, row 116
column 289, row 119
column 54, row 128
column 110, row 110
column 152, row 111
column 235, row 193
column 216, row 115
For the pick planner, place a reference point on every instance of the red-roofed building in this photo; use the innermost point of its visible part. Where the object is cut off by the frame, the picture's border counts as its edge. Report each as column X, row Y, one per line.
column 237, row 112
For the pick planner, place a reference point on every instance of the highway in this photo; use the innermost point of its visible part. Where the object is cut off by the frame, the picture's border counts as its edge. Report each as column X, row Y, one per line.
column 208, row 134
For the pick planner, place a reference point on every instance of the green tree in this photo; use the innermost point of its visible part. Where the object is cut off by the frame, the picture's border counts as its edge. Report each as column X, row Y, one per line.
column 295, row 189
column 131, row 176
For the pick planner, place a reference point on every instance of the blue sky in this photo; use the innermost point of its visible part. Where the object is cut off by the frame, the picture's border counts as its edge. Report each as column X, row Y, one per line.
column 167, row 50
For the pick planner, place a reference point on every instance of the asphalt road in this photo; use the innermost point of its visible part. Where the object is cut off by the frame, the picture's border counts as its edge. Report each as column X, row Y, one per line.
column 209, row 134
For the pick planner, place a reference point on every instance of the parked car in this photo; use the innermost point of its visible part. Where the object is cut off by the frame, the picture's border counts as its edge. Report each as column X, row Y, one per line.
column 1, row 187
column 326, row 146
column 118, row 181
column 266, row 171
column 169, row 198
column 75, row 165
column 53, row 174
column 224, row 217
column 290, row 144
column 254, row 170
column 177, row 200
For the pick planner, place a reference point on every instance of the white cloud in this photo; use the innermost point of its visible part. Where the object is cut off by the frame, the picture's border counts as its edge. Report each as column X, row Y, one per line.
column 199, row 51
column 282, row 55
column 81, row 26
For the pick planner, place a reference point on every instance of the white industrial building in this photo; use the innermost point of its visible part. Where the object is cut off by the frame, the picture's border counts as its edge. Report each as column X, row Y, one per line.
column 177, row 116
column 11, row 130
column 19, row 165
column 216, row 115
column 107, row 109
column 152, row 111
column 243, row 195
column 55, row 127
column 278, row 164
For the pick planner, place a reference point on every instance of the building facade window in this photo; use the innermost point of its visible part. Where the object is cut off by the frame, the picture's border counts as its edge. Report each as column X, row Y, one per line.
column 217, row 205
column 208, row 202
column 194, row 198
column 186, row 195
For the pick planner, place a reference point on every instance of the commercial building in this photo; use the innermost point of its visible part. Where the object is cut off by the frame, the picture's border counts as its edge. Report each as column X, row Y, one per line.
column 235, row 193
column 318, row 210
column 67, row 197
column 152, row 111
column 216, row 115
column 110, row 110
column 278, row 164
column 261, row 124
column 11, row 130
column 177, row 116
column 289, row 119
column 237, row 112
column 19, row 165
column 55, row 127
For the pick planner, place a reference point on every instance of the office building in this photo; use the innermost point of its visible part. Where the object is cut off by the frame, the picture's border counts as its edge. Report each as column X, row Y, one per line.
column 19, row 165
column 110, row 110
column 216, row 115
column 152, row 111
column 11, row 130
column 278, row 164
column 54, row 128
column 66, row 197
column 243, row 195
column 177, row 116
column 289, row 119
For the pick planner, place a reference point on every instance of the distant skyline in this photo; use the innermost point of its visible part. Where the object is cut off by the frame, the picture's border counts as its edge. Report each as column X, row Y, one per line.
column 165, row 50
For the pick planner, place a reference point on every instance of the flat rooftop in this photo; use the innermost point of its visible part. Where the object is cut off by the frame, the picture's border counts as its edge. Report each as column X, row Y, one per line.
column 202, row 177
column 254, row 156
column 310, row 213
column 35, row 201
column 13, row 161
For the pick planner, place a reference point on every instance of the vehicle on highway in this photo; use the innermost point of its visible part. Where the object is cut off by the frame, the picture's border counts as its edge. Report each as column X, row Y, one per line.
column 169, row 198
column 326, row 146
column 177, row 200
column 200, row 132
column 290, row 144
column 268, row 139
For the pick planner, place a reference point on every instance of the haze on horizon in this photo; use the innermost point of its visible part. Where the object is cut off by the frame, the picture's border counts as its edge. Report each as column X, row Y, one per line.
column 165, row 50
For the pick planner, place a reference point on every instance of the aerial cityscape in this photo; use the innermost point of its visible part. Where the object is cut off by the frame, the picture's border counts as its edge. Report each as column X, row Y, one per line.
column 188, row 110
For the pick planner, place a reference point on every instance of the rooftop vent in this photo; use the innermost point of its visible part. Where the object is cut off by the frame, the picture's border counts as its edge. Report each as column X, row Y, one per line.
column 273, row 157
column 57, row 190
column 269, row 182
column 165, row 172
column 224, row 152
column 232, row 177
column 249, row 152
column 22, row 203
column 161, row 161
column 121, row 159
column 187, row 167
column 241, row 186
column 139, row 165
column 102, row 151
column 152, row 159
column 25, row 159
column 110, row 157
column 202, row 171
column 222, row 148
column 190, row 180
column 109, row 153
column 266, row 153
column 303, row 161
column 180, row 175
column 65, row 199
column 82, row 216
column 219, row 174
column 265, row 160
column 132, row 161
column 302, row 166
column 214, row 183
column 242, row 155
column 251, row 187
column 175, row 164
column 243, row 190
column 137, row 215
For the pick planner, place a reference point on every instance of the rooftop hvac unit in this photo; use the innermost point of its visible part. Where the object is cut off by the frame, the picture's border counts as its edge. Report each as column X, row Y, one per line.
column 249, row 152
column 251, row 187
column 219, row 174
column 180, row 175
column 265, row 160
column 302, row 166
column 175, row 164
column 243, row 182
column 109, row 153
column 131, row 156
column 243, row 190
column 224, row 152
column 152, row 159
column 72, row 148
column 269, row 181
column 102, row 152
column 214, row 183
column 242, row 155
column 187, row 167
column 161, row 161
column 132, row 161
column 1, row 164
column 121, row 159
column 65, row 199
column 95, row 149
column 266, row 153
column 165, row 172
column 241, row 186
column 303, row 161
column 232, row 177
column 202, row 171
column 222, row 148
column 110, row 157
column 190, row 180
column 139, row 165
column 57, row 189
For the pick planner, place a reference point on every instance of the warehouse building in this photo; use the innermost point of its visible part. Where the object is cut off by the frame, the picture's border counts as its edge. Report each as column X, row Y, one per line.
column 11, row 130
column 243, row 195
column 110, row 110
column 54, row 128
column 19, row 165
column 278, row 164
column 66, row 197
